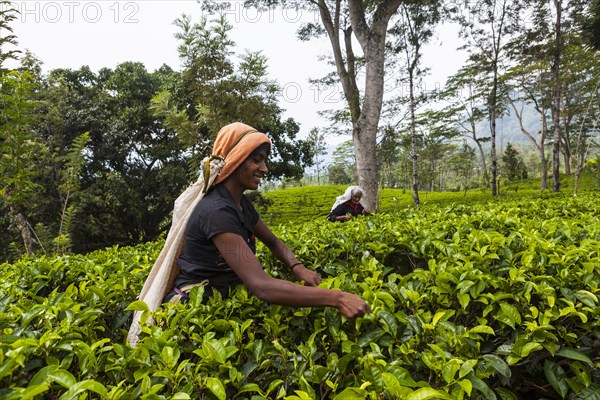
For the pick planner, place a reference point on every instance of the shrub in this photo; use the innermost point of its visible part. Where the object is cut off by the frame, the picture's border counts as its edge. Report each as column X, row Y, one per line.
column 480, row 301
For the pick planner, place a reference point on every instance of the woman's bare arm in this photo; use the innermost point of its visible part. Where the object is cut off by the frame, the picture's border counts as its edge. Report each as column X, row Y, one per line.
column 244, row 263
column 285, row 255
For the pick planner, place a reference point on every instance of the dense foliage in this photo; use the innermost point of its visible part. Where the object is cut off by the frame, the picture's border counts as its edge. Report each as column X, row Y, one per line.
column 480, row 301
column 145, row 131
column 136, row 159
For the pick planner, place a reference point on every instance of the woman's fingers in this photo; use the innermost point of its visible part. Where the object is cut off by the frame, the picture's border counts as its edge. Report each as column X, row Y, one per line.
column 310, row 278
column 353, row 306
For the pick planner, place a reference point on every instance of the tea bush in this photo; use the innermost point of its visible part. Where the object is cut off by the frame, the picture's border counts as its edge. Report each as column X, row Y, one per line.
column 494, row 300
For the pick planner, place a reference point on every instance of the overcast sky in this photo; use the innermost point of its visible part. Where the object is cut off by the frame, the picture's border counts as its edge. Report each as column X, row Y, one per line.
column 104, row 33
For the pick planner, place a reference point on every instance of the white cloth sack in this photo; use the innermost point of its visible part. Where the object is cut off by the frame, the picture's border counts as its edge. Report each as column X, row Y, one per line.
column 163, row 273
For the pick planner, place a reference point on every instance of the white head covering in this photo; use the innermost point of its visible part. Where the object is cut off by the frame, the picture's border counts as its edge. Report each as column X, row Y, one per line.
column 347, row 195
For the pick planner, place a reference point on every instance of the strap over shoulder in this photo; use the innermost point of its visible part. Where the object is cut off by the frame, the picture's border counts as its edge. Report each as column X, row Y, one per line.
column 162, row 275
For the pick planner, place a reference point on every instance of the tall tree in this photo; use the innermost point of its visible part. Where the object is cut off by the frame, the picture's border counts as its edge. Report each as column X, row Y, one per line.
column 342, row 170
column 584, row 142
column 581, row 107
column 19, row 150
column 486, row 26
column 556, row 93
column 435, row 141
column 551, row 23
column 134, row 166
column 514, row 166
column 579, row 82
column 69, row 183
column 365, row 114
column 388, row 155
column 466, row 97
column 8, row 13
column 412, row 30
column 462, row 162
column 342, row 22
column 217, row 90
column 529, row 81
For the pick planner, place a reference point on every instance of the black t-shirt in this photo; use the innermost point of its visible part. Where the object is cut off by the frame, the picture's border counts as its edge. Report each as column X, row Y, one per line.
column 346, row 208
column 215, row 213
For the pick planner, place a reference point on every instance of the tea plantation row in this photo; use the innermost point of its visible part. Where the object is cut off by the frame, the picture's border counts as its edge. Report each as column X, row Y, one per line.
column 309, row 203
column 480, row 301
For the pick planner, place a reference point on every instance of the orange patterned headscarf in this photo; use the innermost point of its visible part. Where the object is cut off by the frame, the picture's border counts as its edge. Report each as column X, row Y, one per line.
column 235, row 142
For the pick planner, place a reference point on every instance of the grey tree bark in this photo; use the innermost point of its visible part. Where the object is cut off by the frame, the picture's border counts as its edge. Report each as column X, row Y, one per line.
column 365, row 113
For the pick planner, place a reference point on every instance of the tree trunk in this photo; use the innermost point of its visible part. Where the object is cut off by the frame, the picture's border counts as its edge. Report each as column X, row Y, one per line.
column 498, row 33
column 555, row 69
column 318, row 174
column 578, row 172
column 493, row 139
column 364, row 139
column 413, row 139
column 364, row 115
column 473, row 131
column 486, row 177
column 583, row 145
column 539, row 146
column 542, row 150
column 565, row 135
column 493, row 110
column 23, row 227
column 364, row 132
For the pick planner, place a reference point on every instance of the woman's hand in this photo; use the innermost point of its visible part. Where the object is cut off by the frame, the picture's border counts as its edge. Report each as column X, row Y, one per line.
column 352, row 306
column 310, row 277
